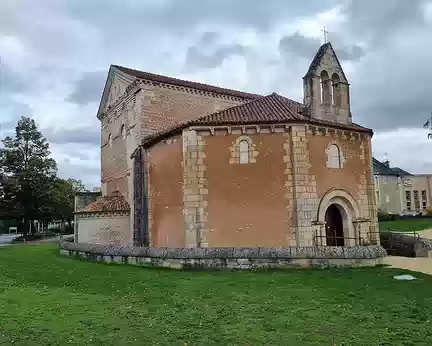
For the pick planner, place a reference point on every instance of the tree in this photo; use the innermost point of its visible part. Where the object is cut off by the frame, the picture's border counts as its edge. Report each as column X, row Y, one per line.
column 29, row 172
column 63, row 198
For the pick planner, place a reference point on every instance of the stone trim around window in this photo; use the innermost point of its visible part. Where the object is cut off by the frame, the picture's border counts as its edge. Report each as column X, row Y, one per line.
column 335, row 156
column 237, row 150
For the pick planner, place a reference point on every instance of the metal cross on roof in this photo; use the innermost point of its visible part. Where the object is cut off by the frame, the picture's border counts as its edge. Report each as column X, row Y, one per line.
column 325, row 34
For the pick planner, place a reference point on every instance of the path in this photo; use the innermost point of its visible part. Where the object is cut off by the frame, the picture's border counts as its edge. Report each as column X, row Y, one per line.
column 418, row 264
column 6, row 238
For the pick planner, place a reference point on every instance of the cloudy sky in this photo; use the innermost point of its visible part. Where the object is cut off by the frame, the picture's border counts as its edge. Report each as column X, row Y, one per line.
column 55, row 56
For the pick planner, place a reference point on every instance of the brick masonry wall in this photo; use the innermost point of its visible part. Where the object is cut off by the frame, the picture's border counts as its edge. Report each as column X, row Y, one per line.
column 143, row 111
column 355, row 177
column 245, row 199
column 166, row 193
column 163, row 106
column 109, row 229
column 238, row 200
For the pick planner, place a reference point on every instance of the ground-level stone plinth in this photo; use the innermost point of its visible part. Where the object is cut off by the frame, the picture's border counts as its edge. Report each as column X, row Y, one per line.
column 229, row 258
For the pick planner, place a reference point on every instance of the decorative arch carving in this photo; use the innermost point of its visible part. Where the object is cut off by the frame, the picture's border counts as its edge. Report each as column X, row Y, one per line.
column 243, row 151
column 347, row 206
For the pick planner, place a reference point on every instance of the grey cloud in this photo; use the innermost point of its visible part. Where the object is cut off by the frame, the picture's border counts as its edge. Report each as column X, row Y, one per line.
column 82, row 135
column 12, row 111
column 10, row 82
column 306, row 47
column 89, row 88
column 88, row 173
column 377, row 21
column 389, row 88
column 179, row 17
column 208, row 52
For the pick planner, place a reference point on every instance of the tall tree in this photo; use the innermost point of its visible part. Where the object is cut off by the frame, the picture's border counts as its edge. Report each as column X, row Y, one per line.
column 25, row 161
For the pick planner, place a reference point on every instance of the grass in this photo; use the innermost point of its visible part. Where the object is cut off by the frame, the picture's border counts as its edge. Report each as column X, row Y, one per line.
column 406, row 225
column 46, row 299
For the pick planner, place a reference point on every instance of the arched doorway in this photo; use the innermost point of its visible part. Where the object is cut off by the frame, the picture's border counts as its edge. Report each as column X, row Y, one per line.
column 334, row 226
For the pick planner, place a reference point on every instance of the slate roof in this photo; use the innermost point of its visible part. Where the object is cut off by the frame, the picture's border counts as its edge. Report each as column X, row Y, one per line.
column 400, row 171
column 317, row 58
column 112, row 203
column 270, row 109
column 380, row 168
column 185, row 83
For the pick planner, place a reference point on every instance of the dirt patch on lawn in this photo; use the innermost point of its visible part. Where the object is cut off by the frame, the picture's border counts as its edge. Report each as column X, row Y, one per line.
column 427, row 233
column 418, row 264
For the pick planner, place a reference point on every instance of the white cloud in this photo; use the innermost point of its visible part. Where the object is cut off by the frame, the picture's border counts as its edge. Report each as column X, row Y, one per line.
column 49, row 47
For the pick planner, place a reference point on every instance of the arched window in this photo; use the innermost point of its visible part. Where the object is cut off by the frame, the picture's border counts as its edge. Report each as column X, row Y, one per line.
column 123, row 131
column 244, row 151
column 325, row 88
column 334, row 158
column 110, row 140
column 337, row 101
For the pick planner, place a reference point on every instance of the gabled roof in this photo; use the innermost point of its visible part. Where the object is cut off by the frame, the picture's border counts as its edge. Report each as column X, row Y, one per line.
column 380, row 168
column 270, row 109
column 400, row 171
column 185, row 83
column 317, row 59
column 112, row 203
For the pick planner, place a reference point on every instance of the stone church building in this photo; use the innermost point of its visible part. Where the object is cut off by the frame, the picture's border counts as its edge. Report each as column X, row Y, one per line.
column 186, row 164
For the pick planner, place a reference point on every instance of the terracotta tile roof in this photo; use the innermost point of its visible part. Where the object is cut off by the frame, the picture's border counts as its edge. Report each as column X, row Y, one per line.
column 112, row 203
column 271, row 109
column 185, row 83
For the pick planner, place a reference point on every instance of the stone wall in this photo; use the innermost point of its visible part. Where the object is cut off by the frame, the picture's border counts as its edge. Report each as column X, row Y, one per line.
column 228, row 258
column 82, row 200
column 399, row 244
column 107, row 229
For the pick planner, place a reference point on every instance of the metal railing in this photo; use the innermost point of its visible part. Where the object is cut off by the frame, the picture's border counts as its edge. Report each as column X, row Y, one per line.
column 333, row 240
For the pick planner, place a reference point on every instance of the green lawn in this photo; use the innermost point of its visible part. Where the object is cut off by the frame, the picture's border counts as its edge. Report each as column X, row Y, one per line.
column 406, row 225
column 46, row 299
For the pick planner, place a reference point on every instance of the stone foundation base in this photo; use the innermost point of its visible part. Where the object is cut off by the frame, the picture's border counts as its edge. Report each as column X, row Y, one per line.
column 229, row 258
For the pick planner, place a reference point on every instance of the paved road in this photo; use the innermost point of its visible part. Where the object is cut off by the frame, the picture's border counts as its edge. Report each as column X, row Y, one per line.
column 6, row 238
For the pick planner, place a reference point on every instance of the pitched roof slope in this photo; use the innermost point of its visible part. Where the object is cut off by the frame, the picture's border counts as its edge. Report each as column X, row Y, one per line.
column 381, row 168
column 185, row 83
column 400, row 171
column 317, row 58
column 112, row 203
column 270, row 109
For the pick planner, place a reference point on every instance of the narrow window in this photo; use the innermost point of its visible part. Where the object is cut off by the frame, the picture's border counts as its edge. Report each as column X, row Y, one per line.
column 244, row 152
column 110, row 140
column 325, row 88
column 334, row 156
column 337, row 101
column 123, row 131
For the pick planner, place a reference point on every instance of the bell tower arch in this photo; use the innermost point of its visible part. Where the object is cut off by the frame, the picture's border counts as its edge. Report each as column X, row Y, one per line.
column 326, row 88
